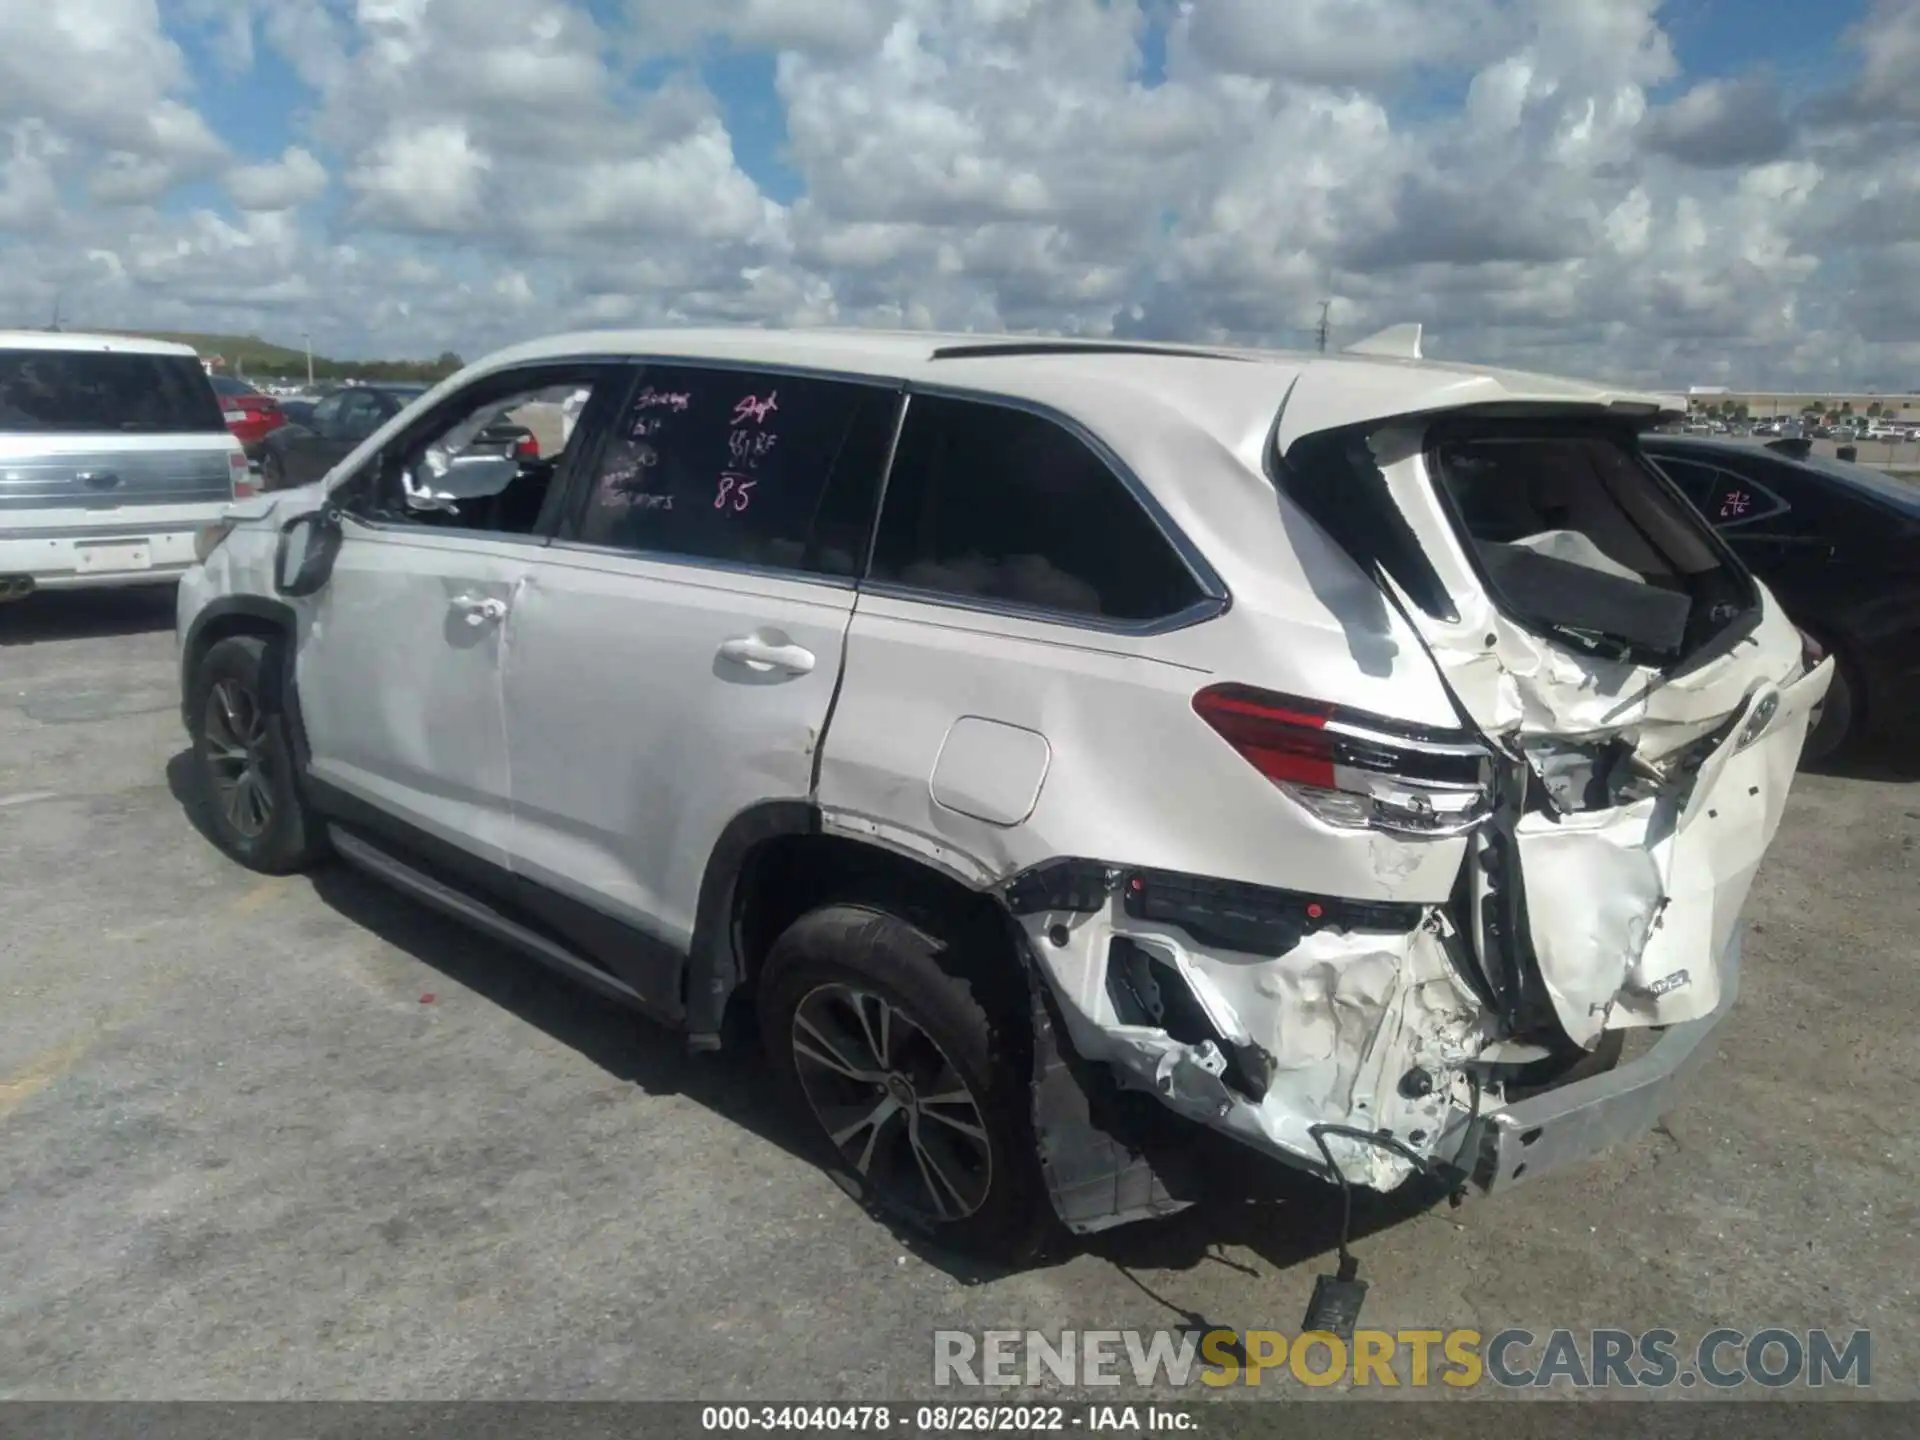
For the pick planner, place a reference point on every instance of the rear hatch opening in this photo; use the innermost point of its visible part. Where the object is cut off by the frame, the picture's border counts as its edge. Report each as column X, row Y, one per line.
column 1578, row 538
column 1645, row 700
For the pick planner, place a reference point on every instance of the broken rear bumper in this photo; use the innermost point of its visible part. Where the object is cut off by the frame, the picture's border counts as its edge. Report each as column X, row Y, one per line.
column 1575, row 1123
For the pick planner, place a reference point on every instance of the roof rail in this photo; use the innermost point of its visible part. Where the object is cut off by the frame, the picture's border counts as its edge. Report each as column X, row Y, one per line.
column 990, row 348
column 1396, row 342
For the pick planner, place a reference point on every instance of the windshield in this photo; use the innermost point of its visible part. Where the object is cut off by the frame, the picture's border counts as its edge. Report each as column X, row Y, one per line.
column 227, row 385
column 79, row 391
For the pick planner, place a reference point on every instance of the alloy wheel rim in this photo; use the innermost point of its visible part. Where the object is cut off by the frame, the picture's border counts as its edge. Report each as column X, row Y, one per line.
column 893, row 1103
column 235, row 730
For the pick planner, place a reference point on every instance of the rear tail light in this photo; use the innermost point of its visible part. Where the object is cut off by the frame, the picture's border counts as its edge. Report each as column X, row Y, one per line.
column 527, row 448
column 1355, row 771
column 242, row 475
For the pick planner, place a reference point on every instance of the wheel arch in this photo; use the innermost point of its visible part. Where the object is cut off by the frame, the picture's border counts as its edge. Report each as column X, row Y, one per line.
column 232, row 615
column 776, row 861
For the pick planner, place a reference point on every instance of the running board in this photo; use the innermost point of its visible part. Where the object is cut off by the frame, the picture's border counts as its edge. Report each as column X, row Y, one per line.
column 481, row 916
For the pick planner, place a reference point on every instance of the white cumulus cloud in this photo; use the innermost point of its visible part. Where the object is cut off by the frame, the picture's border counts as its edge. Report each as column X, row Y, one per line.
column 1539, row 184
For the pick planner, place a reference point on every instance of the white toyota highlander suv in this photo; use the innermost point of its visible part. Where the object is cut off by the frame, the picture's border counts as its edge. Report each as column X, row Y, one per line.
column 1041, row 741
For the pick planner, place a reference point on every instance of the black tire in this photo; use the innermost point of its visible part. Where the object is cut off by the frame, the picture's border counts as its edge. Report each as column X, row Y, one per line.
column 243, row 765
column 1833, row 720
column 815, row 971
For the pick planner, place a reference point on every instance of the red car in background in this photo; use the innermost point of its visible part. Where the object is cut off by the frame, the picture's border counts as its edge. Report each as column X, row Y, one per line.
column 250, row 415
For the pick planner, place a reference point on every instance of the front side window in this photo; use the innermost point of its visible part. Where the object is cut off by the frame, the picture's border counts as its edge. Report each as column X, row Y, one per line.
column 987, row 502
column 80, row 391
column 742, row 467
column 485, row 460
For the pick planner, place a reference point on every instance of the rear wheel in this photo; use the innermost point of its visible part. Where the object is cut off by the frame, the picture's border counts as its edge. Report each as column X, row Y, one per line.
column 895, row 1056
column 244, row 762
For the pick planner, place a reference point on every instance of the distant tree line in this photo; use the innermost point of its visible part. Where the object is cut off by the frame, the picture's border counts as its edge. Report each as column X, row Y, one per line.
column 295, row 368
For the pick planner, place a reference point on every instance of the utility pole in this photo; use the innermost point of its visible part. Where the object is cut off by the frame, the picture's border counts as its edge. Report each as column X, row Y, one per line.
column 306, row 338
column 55, row 326
column 1320, row 335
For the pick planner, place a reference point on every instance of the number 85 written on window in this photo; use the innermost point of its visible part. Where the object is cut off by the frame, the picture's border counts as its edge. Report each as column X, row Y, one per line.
column 735, row 492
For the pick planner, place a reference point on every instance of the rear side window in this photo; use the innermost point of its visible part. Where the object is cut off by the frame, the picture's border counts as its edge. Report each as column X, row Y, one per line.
column 743, row 467
column 84, row 391
column 987, row 502
column 1724, row 498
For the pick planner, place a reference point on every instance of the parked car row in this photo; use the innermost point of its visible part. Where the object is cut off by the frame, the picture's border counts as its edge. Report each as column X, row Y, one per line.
column 1885, row 431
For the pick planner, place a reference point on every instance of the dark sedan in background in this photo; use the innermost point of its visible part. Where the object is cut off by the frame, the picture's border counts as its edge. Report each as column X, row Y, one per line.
column 304, row 449
column 1839, row 546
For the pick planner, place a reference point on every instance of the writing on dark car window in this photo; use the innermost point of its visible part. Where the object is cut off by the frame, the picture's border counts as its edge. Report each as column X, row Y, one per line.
column 727, row 465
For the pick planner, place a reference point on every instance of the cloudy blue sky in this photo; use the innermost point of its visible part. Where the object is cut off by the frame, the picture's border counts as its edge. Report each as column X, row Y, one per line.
column 1690, row 192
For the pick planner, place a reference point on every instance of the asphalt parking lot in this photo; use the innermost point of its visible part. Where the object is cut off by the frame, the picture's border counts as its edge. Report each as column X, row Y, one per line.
column 297, row 1138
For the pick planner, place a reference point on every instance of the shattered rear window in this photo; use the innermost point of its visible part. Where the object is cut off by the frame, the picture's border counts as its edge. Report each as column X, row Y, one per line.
column 1573, row 533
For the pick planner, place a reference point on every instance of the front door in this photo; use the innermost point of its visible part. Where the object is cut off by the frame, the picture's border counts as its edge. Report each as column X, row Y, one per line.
column 674, row 660
column 399, row 678
column 399, row 661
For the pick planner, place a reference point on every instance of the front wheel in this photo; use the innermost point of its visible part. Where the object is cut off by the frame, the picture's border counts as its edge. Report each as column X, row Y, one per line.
column 895, row 1056
column 243, row 760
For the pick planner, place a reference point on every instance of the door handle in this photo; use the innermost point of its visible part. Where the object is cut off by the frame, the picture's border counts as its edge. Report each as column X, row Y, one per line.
column 477, row 611
column 98, row 479
column 757, row 654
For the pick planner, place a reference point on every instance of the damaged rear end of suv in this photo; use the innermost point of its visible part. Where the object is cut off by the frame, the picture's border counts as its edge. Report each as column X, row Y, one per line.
column 1643, row 703
column 1526, row 795
column 1064, row 751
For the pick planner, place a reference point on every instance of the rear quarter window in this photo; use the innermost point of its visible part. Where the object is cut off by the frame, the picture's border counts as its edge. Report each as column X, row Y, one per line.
column 989, row 503
column 80, row 392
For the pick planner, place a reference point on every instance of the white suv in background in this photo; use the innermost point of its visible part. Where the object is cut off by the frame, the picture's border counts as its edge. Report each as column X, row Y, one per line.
column 113, row 456
column 1041, row 739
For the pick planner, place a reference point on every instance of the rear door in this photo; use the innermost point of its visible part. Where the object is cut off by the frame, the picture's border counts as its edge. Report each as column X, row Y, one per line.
column 673, row 660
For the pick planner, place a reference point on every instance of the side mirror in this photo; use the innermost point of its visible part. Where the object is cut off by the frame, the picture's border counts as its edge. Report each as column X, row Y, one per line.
column 308, row 545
